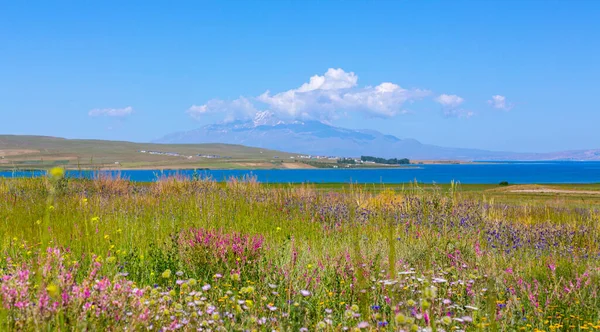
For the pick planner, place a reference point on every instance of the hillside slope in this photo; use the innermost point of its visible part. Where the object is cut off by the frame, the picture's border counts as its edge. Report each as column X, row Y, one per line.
column 42, row 151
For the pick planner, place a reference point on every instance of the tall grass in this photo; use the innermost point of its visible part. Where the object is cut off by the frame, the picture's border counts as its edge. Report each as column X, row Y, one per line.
column 406, row 259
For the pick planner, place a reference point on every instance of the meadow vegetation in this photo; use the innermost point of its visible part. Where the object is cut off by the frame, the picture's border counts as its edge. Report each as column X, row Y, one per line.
column 184, row 254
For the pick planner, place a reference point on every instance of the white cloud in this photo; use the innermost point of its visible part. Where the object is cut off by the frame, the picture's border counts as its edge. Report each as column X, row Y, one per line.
column 449, row 100
column 384, row 100
column 450, row 105
column 323, row 97
column 333, row 79
column 499, row 102
column 336, row 91
column 320, row 95
column 114, row 112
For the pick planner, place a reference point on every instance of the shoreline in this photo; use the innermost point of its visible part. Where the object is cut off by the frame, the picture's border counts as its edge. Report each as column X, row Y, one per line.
column 546, row 189
column 185, row 168
column 255, row 166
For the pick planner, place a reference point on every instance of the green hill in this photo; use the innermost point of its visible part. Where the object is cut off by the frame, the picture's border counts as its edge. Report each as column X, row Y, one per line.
column 39, row 152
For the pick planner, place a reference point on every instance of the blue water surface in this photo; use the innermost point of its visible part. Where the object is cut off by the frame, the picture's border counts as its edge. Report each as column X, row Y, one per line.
column 513, row 172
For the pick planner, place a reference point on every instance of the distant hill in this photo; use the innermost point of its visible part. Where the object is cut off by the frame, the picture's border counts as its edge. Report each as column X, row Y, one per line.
column 41, row 152
column 317, row 138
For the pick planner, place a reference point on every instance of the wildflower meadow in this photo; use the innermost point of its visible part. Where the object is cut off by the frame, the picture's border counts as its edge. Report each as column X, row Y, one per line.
column 196, row 255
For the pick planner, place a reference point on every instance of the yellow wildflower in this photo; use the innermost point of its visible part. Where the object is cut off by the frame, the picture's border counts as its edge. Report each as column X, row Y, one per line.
column 53, row 291
column 57, row 172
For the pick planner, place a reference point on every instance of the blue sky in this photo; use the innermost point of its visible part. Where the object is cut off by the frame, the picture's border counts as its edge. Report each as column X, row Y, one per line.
column 416, row 69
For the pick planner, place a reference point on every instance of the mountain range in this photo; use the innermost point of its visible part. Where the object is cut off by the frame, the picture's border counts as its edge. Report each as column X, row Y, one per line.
column 318, row 138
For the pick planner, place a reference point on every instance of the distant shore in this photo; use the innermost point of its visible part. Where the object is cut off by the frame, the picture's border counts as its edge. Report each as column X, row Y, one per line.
column 239, row 165
column 200, row 168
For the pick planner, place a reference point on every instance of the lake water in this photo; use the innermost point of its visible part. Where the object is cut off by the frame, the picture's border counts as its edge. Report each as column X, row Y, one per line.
column 513, row 172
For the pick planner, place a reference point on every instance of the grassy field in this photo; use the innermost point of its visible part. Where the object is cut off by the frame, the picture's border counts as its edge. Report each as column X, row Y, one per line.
column 37, row 152
column 108, row 254
column 579, row 195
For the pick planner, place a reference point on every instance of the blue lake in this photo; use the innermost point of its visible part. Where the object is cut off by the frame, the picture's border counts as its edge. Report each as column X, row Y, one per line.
column 513, row 172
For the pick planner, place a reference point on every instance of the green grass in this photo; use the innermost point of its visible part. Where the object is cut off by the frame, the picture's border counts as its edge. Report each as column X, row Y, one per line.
column 348, row 246
column 47, row 152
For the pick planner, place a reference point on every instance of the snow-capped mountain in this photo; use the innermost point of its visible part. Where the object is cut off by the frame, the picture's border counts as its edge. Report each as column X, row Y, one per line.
column 266, row 118
column 317, row 138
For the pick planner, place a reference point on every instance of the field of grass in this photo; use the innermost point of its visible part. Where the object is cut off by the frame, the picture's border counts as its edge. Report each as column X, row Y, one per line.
column 108, row 254
column 38, row 152
column 572, row 195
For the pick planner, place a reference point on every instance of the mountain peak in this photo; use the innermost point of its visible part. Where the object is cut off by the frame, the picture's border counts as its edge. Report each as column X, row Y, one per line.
column 267, row 118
